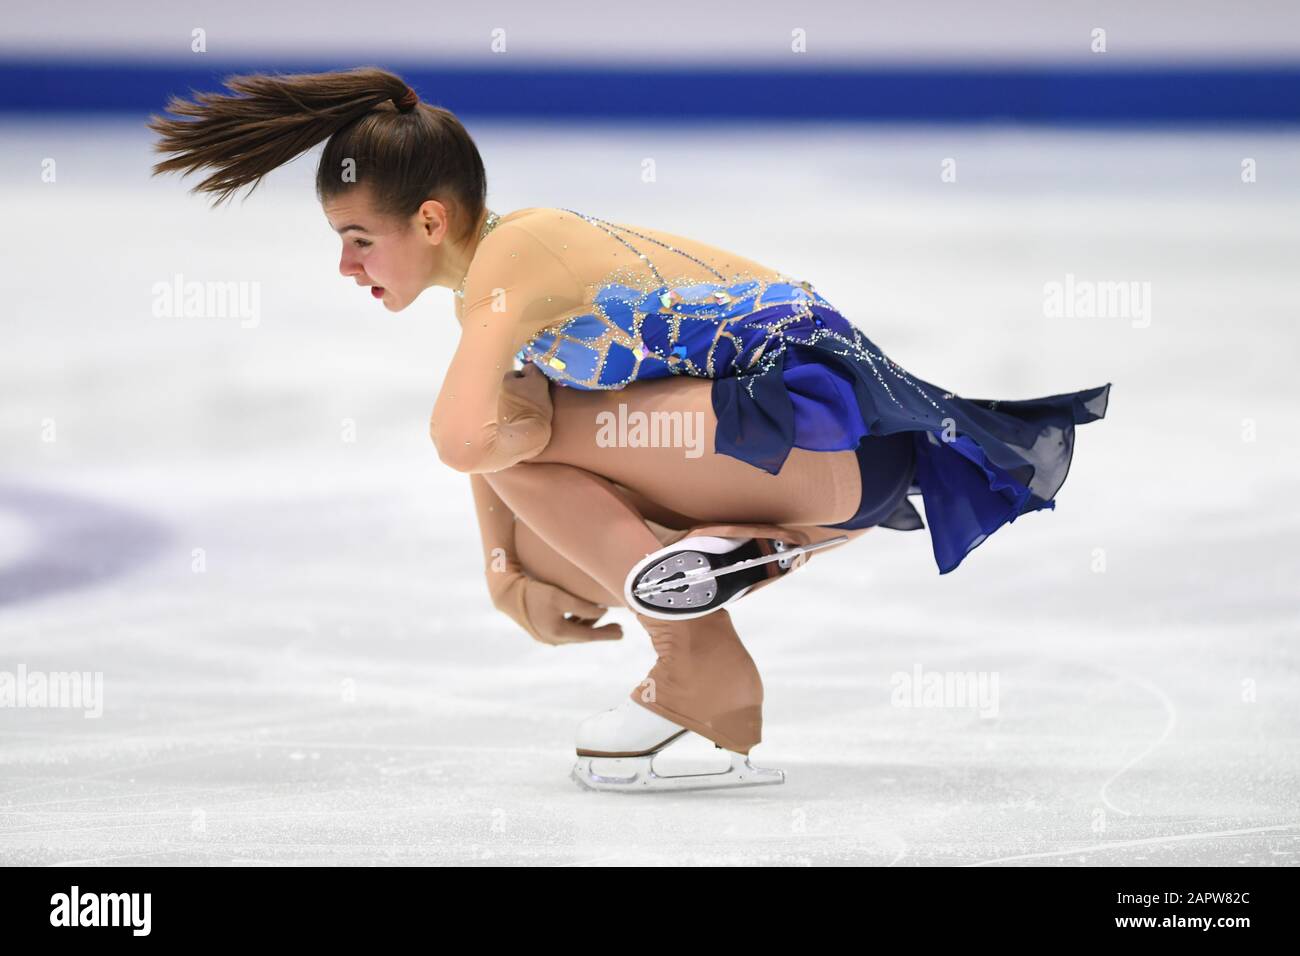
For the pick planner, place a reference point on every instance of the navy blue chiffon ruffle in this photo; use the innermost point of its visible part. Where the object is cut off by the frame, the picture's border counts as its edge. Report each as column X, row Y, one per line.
column 980, row 463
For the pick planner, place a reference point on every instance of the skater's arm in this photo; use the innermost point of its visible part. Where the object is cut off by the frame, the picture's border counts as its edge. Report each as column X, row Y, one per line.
column 515, row 284
column 547, row 613
column 496, row 528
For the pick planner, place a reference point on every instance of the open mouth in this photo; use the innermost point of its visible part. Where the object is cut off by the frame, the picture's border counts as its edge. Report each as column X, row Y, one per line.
column 377, row 291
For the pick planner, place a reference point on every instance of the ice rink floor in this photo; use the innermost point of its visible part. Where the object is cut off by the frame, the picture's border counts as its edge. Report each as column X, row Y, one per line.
column 242, row 525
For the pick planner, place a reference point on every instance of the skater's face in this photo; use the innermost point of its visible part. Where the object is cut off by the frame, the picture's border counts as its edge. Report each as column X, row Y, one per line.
column 398, row 259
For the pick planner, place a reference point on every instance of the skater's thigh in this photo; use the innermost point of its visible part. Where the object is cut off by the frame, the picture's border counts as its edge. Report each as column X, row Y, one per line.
column 653, row 511
column 597, row 430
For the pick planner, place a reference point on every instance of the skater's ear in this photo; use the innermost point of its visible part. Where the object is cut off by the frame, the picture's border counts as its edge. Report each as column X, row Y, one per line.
column 515, row 286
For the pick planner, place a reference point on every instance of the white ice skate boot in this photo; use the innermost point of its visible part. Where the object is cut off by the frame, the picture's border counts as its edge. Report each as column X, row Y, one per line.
column 702, row 573
column 624, row 741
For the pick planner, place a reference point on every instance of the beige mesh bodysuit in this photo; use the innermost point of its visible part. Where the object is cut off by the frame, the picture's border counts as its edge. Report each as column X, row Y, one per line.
column 600, row 305
column 548, row 286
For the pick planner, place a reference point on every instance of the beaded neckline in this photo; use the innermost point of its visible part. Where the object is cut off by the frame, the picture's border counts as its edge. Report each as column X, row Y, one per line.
column 488, row 226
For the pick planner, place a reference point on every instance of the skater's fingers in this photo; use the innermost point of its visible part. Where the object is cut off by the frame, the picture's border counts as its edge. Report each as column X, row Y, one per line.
column 558, row 637
column 575, row 630
column 570, row 605
column 558, row 617
column 586, row 613
column 528, row 390
column 607, row 632
column 581, row 607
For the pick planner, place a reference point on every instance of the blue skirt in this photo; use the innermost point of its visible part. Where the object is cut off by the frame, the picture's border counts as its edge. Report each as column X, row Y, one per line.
column 979, row 463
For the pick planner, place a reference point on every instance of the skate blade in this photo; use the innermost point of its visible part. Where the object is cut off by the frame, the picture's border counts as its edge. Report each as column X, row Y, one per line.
column 674, row 583
column 678, row 585
column 637, row 775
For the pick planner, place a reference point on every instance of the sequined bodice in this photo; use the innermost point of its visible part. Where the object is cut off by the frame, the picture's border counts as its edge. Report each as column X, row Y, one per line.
column 639, row 330
column 615, row 304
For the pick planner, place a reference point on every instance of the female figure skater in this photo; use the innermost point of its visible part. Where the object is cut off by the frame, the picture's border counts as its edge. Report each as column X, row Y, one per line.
column 789, row 430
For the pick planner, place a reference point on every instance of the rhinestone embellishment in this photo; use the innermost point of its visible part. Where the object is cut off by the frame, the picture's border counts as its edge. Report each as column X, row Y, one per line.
column 729, row 313
column 488, row 226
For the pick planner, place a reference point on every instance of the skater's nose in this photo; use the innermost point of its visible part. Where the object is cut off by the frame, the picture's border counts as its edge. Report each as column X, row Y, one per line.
column 348, row 266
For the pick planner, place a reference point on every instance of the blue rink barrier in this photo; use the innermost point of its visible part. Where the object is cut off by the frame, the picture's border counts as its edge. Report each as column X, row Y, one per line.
column 944, row 93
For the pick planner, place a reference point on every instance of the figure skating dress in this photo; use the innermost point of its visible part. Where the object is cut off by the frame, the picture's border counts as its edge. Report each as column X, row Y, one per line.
column 789, row 371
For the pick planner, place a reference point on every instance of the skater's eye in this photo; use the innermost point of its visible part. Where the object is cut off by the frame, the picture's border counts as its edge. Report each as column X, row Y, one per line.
column 362, row 242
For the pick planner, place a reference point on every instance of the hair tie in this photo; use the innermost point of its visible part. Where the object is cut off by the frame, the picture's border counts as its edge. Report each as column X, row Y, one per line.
column 407, row 101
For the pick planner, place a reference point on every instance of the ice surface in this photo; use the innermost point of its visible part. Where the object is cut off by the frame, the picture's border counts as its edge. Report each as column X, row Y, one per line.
column 334, row 687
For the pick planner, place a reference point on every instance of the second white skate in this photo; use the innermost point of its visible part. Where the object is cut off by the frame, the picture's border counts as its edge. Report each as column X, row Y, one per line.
column 617, row 749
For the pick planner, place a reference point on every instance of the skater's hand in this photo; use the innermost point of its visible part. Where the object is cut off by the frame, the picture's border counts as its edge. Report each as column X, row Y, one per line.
column 526, row 394
column 552, row 615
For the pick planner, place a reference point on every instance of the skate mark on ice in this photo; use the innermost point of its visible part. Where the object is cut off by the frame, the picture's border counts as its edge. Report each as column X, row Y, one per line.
column 115, row 819
column 1155, row 690
column 147, row 765
column 267, row 744
column 27, row 808
column 1144, row 841
column 95, row 860
column 1171, row 713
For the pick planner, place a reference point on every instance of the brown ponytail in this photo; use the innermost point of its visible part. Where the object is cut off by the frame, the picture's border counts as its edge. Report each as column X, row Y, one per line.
column 402, row 150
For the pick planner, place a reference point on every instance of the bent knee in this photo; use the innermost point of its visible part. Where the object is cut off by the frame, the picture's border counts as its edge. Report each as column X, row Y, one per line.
column 521, row 473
